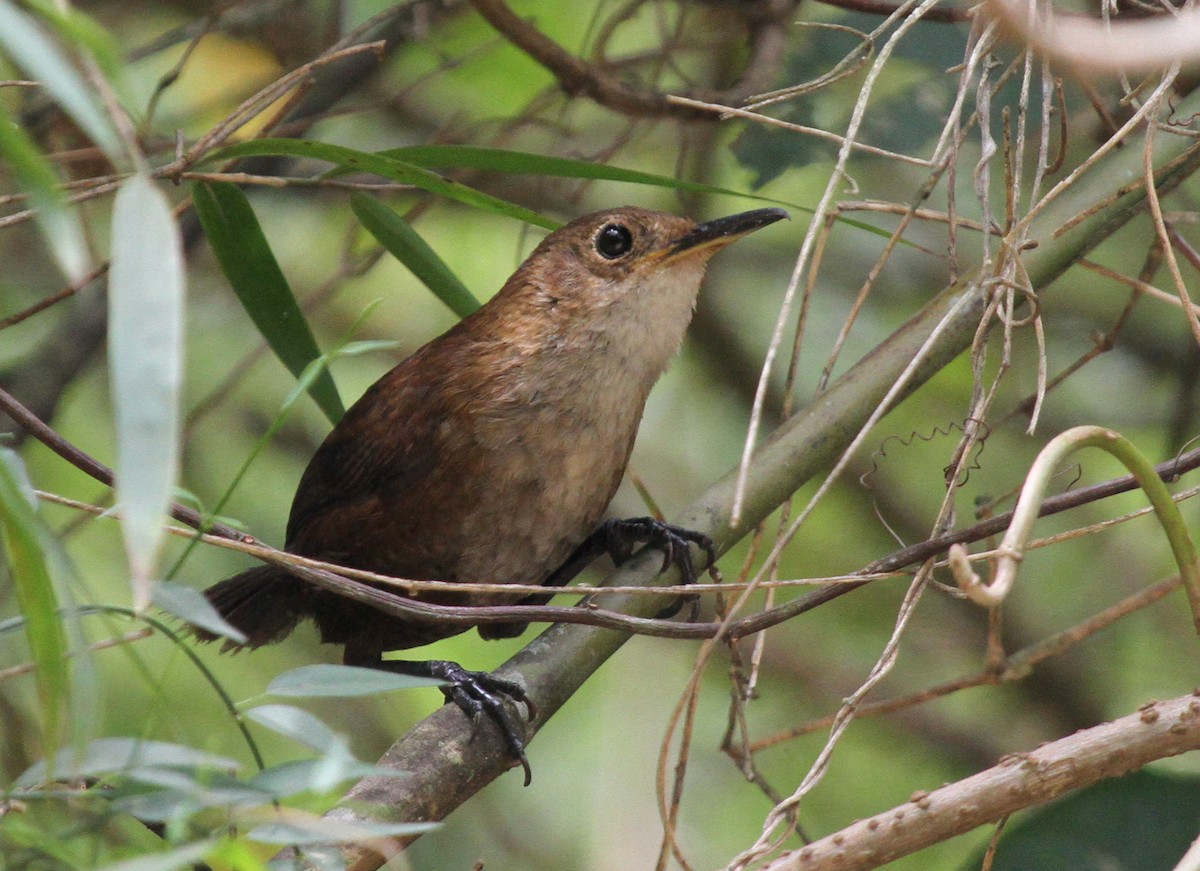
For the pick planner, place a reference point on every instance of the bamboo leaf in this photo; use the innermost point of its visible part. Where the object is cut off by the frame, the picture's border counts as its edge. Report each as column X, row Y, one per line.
column 24, row 40
column 57, row 221
column 241, row 248
column 106, row 756
column 385, row 167
column 145, row 298
column 187, row 856
column 190, row 606
column 505, row 160
column 25, row 547
column 343, row 680
column 324, row 830
column 295, row 723
column 406, row 245
column 84, row 31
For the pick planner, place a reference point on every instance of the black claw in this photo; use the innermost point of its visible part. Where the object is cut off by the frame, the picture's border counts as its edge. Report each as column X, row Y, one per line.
column 476, row 693
column 620, row 535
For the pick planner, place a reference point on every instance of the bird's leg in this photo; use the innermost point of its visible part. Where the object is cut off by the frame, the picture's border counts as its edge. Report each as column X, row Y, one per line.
column 475, row 693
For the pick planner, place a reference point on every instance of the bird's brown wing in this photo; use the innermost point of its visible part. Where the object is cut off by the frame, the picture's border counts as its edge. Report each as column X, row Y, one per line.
column 358, row 484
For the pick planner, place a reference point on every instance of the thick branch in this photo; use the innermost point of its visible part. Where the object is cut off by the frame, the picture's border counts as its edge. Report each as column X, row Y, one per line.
column 1158, row 730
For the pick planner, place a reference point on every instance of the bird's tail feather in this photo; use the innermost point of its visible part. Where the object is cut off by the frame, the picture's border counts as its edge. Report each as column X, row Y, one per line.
column 264, row 602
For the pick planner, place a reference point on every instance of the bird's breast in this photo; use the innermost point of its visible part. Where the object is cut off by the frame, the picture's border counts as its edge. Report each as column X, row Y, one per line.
column 548, row 463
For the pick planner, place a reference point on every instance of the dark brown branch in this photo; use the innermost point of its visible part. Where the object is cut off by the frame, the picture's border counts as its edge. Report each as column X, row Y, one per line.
column 578, row 77
column 588, row 615
column 90, row 465
column 54, row 298
column 60, row 359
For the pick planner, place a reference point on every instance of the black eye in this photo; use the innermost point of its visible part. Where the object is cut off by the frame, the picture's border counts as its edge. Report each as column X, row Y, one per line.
column 613, row 240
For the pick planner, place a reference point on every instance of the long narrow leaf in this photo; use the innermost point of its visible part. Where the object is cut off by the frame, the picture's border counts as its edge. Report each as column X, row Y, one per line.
column 106, row 756
column 189, row 605
column 406, row 245
column 84, row 31
column 24, row 40
column 145, row 297
column 241, row 248
column 385, row 167
column 342, row 680
column 505, row 160
column 25, row 549
column 58, row 221
column 295, row 723
column 522, row 162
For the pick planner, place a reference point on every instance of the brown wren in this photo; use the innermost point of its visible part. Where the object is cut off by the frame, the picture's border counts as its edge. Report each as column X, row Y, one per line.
column 491, row 453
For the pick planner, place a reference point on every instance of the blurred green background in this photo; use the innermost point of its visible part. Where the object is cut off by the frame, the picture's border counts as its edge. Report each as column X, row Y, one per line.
column 592, row 804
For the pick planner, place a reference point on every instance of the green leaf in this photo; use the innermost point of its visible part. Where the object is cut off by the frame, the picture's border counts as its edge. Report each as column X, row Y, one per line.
column 402, row 241
column 25, row 545
column 181, row 801
column 304, row 775
column 336, row 763
column 85, row 32
column 76, row 829
column 294, row 723
column 116, row 755
column 58, row 221
column 190, row 606
column 343, row 680
column 145, row 347
column 386, row 167
column 187, row 856
column 504, row 160
column 323, row 830
column 241, row 248
column 24, row 40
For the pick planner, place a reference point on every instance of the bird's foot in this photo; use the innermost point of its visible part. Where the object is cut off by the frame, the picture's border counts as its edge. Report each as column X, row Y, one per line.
column 477, row 693
column 620, row 536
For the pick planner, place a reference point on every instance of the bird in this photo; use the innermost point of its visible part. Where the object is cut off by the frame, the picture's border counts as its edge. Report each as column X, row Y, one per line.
column 492, row 452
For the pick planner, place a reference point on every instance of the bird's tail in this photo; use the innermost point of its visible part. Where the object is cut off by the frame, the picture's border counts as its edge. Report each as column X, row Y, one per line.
column 264, row 602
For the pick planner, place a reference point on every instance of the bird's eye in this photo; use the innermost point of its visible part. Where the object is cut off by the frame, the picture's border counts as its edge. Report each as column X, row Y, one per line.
column 613, row 241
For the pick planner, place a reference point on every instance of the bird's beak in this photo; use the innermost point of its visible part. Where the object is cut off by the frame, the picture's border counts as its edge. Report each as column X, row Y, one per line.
column 722, row 231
